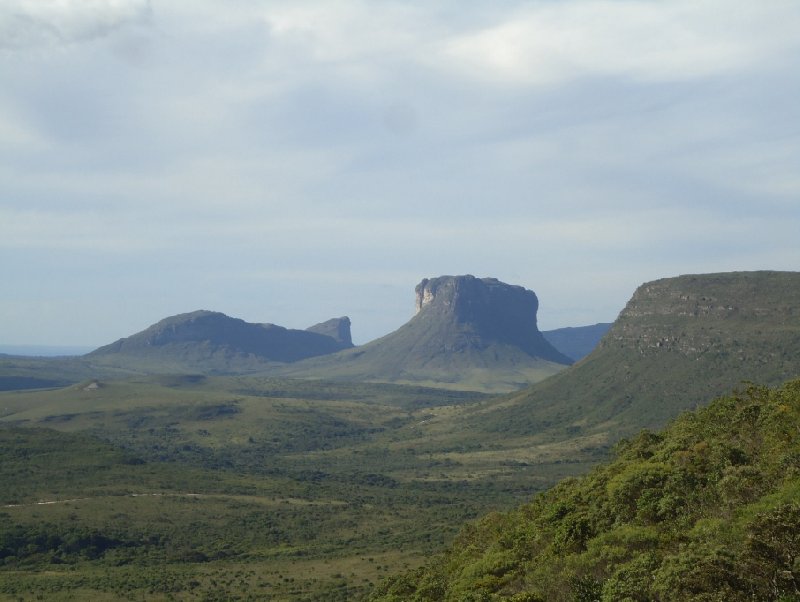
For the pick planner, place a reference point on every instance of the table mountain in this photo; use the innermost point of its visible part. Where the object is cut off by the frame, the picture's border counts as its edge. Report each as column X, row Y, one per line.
column 468, row 332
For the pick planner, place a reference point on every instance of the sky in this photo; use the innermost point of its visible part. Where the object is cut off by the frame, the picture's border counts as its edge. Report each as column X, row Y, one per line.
column 293, row 161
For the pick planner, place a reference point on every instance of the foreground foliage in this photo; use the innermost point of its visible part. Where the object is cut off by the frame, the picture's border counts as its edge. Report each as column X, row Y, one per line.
column 708, row 510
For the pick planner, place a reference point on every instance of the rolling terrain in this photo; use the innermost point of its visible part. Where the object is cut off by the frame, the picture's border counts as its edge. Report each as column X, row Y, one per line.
column 194, row 487
column 190, row 486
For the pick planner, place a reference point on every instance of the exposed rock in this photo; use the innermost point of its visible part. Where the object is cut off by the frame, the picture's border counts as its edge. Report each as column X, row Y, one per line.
column 483, row 310
column 702, row 314
column 467, row 332
column 336, row 328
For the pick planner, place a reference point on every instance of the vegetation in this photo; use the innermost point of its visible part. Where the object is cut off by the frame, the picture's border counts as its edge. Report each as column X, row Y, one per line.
column 707, row 510
column 679, row 342
column 167, row 486
column 180, row 486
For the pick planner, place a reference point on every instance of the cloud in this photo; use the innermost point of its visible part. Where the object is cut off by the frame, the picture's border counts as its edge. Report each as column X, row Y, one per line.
column 28, row 24
column 550, row 43
column 243, row 155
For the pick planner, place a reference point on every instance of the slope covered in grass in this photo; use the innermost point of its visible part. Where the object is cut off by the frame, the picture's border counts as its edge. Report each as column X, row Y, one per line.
column 678, row 342
column 202, row 488
column 707, row 510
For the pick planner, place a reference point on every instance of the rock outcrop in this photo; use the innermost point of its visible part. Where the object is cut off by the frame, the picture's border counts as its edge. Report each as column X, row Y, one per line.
column 471, row 333
column 336, row 328
column 476, row 312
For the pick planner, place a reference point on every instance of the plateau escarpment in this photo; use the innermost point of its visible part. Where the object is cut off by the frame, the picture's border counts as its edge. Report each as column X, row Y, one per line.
column 679, row 341
column 468, row 332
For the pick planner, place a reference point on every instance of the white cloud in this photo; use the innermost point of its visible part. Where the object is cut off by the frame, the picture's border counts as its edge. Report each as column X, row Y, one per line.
column 239, row 155
column 35, row 23
column 551, row 43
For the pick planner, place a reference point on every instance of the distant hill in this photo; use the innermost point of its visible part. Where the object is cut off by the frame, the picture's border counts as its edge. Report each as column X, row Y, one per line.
column 707, row 510
column 576, row 342
column 208, row 341
column 678, row 342
column 468, row 332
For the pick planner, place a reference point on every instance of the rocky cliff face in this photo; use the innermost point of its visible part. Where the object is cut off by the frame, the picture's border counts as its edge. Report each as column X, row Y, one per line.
column 336, row 328
column 471, row 333
column 713, row 313
column 483, row 311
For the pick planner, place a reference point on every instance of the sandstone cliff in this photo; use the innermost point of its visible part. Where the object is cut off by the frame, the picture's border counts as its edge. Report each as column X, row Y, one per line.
column 471, row 333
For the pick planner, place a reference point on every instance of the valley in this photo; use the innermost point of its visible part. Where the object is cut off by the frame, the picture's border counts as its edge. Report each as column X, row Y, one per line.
column 188, row 477
column 307, row 480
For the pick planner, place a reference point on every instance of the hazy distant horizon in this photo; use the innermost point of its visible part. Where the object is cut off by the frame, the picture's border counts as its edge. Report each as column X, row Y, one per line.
column 45, row 350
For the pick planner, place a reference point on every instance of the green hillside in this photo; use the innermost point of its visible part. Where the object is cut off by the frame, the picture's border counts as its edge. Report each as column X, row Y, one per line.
column 678, row 341
column 707, row 510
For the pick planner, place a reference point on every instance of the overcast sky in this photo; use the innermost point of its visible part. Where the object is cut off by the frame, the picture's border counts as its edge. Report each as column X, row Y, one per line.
column 289, row 162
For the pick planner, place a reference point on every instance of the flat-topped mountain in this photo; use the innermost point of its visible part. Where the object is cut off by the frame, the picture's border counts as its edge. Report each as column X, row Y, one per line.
column 211, row 341
column 456, row 313
column 678, row 342
column 468, row 332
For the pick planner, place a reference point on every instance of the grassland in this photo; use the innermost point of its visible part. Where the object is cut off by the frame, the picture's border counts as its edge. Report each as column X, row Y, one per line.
column 182, row 487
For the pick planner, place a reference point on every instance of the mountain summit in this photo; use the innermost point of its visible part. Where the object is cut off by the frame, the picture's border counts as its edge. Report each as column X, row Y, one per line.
column 461, row 313
column 468, row 332
column 209, row 341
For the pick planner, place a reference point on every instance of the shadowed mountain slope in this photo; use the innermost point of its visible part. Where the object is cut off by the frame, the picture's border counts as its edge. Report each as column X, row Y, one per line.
column 468, row 332
column 679, row 341
column 576, row 342
column 209, row 341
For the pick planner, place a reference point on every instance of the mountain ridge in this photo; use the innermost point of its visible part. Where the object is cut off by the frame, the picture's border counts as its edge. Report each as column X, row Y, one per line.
column 209, row 340
column 677, row 341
